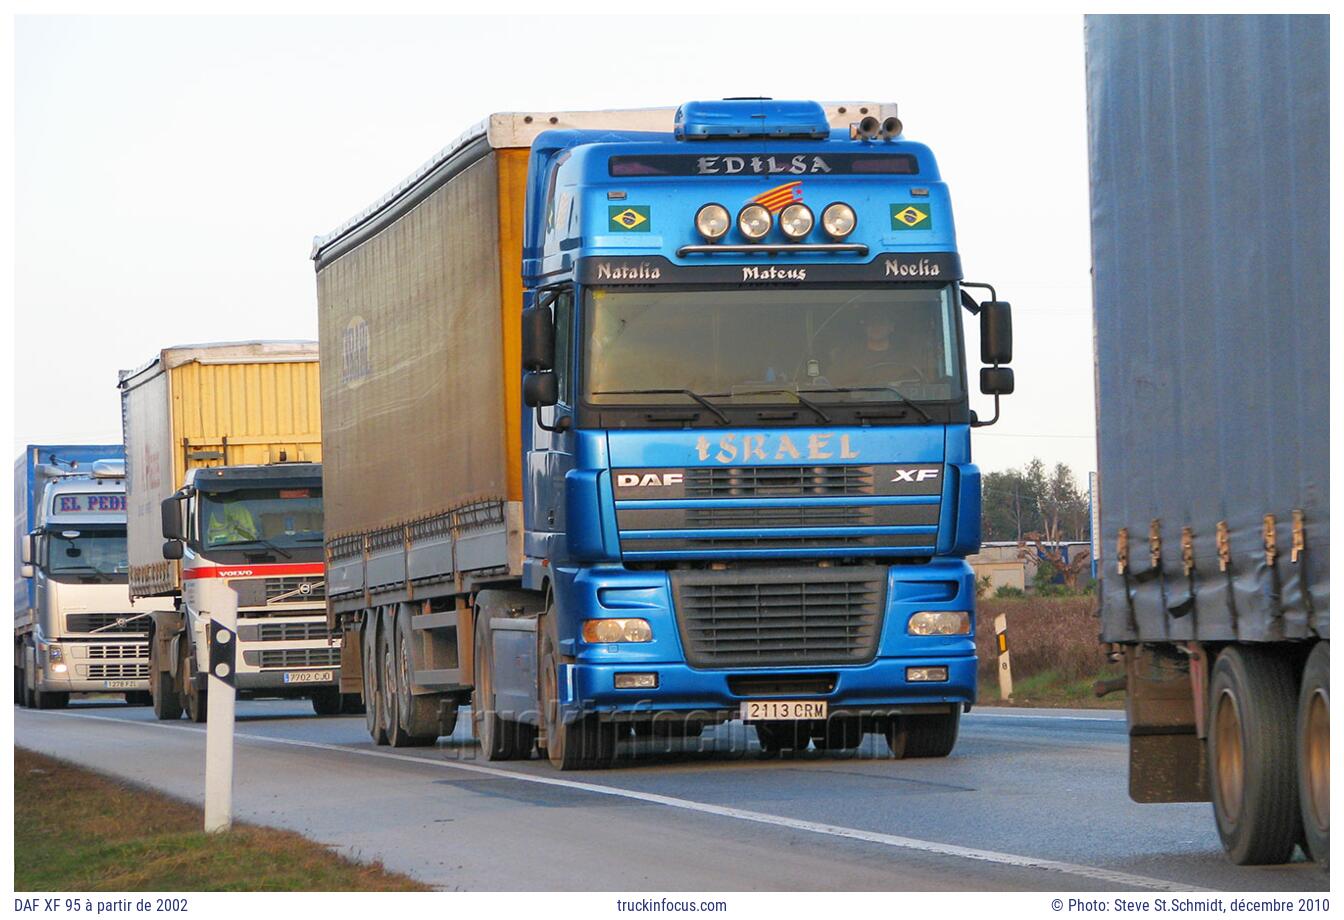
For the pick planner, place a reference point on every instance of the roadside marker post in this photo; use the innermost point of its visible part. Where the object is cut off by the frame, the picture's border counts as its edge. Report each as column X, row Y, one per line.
column 1005, row 668
column 220, row 706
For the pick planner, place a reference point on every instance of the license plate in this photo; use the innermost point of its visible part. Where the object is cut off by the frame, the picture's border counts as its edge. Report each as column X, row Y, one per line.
column 307, row 677
column 120, row 684
column 771, row 710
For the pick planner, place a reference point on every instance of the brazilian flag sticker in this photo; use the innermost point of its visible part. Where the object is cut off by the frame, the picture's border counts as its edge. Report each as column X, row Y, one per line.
column 911, row 216
column 629, row 218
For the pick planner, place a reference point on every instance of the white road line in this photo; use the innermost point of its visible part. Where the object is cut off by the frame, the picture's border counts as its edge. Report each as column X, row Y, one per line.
column 1023, row 715
column 723, row 811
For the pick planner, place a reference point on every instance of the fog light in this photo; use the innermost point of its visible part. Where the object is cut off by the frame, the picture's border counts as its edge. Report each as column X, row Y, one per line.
column 58, row 669
column 940, row 623
column 838, row 220
column 754, row 221
column 636, row 681
column 919, row 675
column 616, row 630
column 795, row 221
column 713, row 221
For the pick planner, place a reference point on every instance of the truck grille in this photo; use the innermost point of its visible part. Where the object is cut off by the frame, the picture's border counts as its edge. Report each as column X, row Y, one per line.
column 293, row 658
column 88, row 622
column 749, row 481
column 284, row 632
column 767, row 540
column 117, row 651
column 294, row 586
column 772, row 617
column 119, row 670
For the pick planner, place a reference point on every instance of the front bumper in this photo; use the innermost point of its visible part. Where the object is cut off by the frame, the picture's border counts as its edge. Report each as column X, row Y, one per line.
column 96, row 666
column 878, row 688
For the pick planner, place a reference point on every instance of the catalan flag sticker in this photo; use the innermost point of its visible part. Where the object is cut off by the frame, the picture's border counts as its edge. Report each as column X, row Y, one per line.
column 911, row 217
column 627, row 218
column 780, row 197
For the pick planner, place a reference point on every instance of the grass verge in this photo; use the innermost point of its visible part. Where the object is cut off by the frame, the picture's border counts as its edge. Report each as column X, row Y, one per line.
column 78, row 831
column 1054, row 651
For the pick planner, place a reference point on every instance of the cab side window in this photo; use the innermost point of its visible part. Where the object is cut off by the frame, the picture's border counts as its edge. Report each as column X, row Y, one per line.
column 564, row 335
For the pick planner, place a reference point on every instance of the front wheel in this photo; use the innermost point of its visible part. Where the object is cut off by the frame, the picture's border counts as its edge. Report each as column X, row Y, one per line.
column 193, row 699
column 778, row 737
column 327, row 702
column 164, row 697
column 1252, row 761
column 45, row 700
column 924, row 735
column 584, row 743
column 1313, row 752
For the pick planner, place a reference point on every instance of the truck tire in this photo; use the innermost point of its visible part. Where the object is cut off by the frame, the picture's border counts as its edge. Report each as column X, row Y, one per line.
column 585, row 743
column 839, row 733
column 166, row 700
column 1313, row 752
column 373, row 716
column 923, row 736
column 193, row 700
column 139, row 698
column 29, row 676
column 352, row 704
column 1252, row 756
column 46, row 700
column 500, row 739
column 413, row 720
column 781, row 736
column 327, row 702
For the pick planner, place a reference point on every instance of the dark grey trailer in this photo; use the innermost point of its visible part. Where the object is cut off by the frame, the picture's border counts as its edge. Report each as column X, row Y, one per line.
column 1208, row 140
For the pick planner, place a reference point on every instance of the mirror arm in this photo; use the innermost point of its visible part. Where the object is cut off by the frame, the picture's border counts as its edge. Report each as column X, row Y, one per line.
column 969, row 302
column 563, row 423
column 979, row 424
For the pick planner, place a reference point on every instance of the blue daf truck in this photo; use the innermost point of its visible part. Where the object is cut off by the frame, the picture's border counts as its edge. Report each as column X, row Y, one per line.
column 637, row 422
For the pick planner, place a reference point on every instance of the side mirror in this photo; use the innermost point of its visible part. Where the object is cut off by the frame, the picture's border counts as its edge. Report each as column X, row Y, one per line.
column 996, row 333
column 996, row 381
column 538, row 340
column 541, row 388
column 28, row 550
column 171, row 510
column 27, row 570
column 172, row 549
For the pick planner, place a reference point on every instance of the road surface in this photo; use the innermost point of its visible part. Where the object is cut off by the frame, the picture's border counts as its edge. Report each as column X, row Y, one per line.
column 1029, row 800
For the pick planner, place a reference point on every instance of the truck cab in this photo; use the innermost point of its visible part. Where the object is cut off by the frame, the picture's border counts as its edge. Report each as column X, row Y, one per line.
column 81, row 633
column 749, row 488
column 258, row 529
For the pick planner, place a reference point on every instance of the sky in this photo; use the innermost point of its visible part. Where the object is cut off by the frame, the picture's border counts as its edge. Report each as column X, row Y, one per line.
column 170, row 173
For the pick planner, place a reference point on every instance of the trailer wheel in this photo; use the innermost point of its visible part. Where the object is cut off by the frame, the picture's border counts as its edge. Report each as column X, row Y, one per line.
column 924, row 736
column 500, row 739
column 373, row 716
column 585, row 743
column 167, row 702
column 416, row 722
column 1252, row 761
column 193, row 700
column 327, row 702
column 778, row 737
column 1313, row 752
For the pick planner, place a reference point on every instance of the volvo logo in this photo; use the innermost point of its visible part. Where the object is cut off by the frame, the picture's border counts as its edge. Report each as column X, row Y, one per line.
column 305, row 589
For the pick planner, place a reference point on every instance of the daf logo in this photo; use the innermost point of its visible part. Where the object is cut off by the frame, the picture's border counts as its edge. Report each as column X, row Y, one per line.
column 631, row 480
column 305, row 588
column 915, row 475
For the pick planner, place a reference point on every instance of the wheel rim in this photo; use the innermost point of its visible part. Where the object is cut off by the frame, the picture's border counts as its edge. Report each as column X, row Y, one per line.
column 405, row 677
column 1317, row 756
column 1229, row 768
column 371, row 699
column 389, row 688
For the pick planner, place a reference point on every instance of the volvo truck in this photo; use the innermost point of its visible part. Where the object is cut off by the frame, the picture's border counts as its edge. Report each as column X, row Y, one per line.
column 1209, row 143
column 75, row 628
column 642, row 421
column 224, row 484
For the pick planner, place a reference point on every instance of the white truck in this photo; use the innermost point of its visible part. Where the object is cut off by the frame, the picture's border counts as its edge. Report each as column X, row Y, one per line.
column 225, row 487
column 75, row 628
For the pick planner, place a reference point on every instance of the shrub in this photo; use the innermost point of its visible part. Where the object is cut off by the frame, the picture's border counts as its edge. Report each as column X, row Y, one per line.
column 1058, row 634
column 1009, row 591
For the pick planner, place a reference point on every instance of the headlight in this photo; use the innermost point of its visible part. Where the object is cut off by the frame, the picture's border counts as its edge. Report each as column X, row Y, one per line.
column 53, row 653
column 940, row 623
column 601, row 632
column 838, row 220
column 796, row 221
column 713, row 221
column 754, row 221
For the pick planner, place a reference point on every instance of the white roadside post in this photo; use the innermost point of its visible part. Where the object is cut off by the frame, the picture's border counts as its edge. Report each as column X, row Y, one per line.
column 1005, row 669
column 220, row 698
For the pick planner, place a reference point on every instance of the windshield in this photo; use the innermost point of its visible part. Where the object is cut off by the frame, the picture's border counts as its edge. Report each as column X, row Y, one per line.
column 278, row 517
column 834, row 345
column 87, row 555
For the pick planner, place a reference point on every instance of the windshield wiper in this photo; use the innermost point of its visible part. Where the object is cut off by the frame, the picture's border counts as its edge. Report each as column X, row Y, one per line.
column 691, row 393
column 905, row 400
column 261, row 540
column 803, row 400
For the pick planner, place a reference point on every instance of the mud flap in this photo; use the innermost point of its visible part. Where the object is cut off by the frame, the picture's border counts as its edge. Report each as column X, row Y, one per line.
column 1167, row 760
